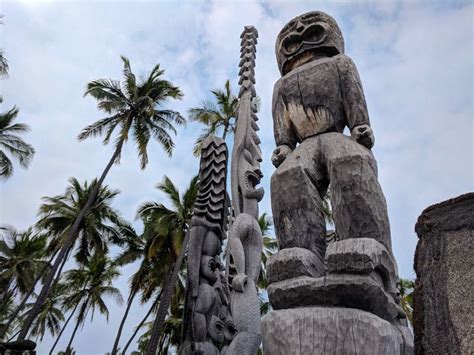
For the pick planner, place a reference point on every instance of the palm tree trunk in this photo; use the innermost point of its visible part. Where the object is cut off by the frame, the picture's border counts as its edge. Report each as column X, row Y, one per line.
column 8, row 294
column 63, row 328
column 58, row 274
column 226, row 127
column 13, row 336
column 162, row 344
column 68, row 348
column 119, row 332
column 80, row 318
column 166, row 300
column 68, row 243
column 25, row 298
column 141, row 323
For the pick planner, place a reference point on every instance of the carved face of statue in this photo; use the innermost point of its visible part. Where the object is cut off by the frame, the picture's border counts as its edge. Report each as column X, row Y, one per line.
column 307, row 37
column 230, row 330
column 216, row 330
column 210, row 268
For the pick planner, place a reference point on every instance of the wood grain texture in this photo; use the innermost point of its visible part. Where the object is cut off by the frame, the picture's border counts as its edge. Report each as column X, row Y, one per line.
column 354, row 291
column 293, row 262
column 328, row 331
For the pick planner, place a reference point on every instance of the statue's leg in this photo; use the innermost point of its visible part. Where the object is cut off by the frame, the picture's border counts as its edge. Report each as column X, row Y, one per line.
column 358, row 203
column 296, row 201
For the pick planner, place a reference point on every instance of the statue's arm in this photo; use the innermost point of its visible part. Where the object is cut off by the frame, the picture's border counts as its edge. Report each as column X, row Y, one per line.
column 355, row 107
column 285, row 137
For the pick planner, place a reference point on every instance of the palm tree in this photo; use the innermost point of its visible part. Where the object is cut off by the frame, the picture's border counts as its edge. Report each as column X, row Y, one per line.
column 3, row 65
column 215, row 115
column 406, row 287
column 11, row 142
column 153, row 308
column 65, row 324
column 148, row 279
column 169, row 236
column 58, row 213
column 5, row 328
column 134, row 108
column 51, row 314
column 3, row 60
column 101, row 224
column 134, row 250
column 89, row 285
column 171, row 335
column 21, row 260
column 24, row 248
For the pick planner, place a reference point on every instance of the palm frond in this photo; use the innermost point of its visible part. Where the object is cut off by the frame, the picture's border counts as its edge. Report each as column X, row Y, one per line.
column 167, row 186
column 130, row 82
column 6, row 166
column 3, row 65
column 98, row 127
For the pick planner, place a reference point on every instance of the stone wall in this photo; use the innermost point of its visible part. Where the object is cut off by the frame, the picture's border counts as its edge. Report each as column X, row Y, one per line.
column 444, row 288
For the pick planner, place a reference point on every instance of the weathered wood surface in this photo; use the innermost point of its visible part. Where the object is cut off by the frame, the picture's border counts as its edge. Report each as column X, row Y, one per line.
column 328, row 331
column 318, row 96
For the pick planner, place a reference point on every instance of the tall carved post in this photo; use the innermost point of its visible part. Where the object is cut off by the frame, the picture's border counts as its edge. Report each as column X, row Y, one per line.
column 338, row 297
column 222, row 313
column 245, row 238
column 208, row 326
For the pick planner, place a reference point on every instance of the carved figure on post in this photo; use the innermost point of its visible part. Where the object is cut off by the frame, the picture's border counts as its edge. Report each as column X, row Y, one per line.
column 245, row 238
column 319, row 94
column 208, row 326
column 348, row 282
column 222, row 312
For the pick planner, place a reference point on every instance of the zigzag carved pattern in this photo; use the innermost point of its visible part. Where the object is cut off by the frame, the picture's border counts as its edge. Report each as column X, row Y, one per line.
column 210, row 202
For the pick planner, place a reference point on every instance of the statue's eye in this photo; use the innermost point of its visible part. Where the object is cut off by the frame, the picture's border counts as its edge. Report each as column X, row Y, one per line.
column 291, row 44
column 231, row 329
column 314, row 34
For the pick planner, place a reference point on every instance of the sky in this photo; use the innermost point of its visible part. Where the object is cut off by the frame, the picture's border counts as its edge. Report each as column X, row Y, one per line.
column 415, row 60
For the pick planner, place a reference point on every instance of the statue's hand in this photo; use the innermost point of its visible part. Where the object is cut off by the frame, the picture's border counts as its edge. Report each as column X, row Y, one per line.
column 363, row 135
column 279, row 154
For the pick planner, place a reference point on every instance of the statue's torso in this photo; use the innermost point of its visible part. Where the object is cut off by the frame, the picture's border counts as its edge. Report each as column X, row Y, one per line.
column 313, row 98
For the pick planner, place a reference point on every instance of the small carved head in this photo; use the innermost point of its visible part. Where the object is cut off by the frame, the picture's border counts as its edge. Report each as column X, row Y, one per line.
column 216, row 329
column 306, row 38
column 210, row 267
column 230, row 330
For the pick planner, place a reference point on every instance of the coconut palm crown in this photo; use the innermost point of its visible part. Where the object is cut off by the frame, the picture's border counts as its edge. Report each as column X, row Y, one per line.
column 217, row 114
column 133, row 108
column 11, row 144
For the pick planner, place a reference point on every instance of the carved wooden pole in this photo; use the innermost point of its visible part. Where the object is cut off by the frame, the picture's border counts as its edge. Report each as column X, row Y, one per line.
column 207, row 325
column 245, row 237
column 222, row 313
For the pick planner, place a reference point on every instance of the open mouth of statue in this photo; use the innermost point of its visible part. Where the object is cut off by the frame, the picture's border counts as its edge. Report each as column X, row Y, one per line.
column 307, row 55
column 252, row 179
